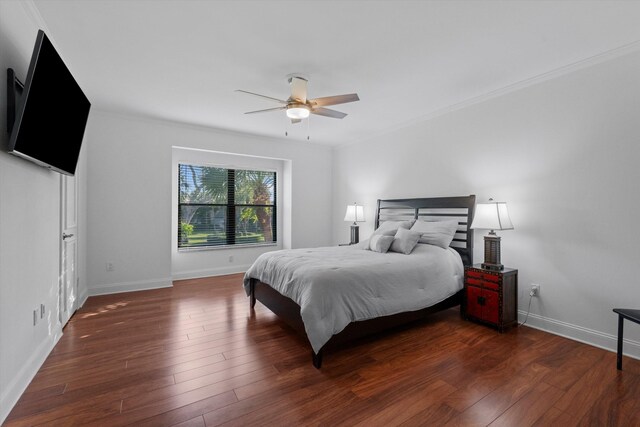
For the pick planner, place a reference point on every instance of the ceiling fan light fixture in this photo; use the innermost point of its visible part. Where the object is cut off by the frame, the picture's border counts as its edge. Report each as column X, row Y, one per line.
column 298, row 112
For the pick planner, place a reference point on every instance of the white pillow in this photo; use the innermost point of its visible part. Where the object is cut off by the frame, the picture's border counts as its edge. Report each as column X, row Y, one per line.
column 404, row 241
column 380, row 243
column 364, row 244
column 438, row 233
column 389, row 228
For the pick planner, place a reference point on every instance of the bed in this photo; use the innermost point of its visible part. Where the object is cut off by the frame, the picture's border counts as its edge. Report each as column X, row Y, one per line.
column 338, row 294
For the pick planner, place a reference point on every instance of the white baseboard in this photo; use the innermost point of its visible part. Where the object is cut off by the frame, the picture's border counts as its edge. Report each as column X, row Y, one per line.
column 578, row 333
column 220, row 271
column 23, row 377
column 139, row 285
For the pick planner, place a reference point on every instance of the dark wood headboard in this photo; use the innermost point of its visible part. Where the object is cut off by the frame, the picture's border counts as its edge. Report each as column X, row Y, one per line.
column 434, row 208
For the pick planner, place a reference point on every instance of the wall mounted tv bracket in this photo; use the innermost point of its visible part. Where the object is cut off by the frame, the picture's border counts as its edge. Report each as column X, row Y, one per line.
column 14, row 93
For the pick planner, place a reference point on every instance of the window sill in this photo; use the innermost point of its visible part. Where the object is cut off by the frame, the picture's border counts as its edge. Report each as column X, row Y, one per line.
column 225, row 247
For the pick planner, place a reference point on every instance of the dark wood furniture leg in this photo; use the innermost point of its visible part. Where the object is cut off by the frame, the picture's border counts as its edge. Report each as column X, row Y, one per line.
column 316, row 359
column 252, row 293
column 620, row 334
column 629, row 314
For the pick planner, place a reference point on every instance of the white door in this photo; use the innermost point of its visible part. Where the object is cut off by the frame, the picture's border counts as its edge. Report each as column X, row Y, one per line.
column 68, row 248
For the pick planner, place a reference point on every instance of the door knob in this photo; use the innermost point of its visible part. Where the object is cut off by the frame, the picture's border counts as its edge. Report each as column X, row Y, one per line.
column 66, row 236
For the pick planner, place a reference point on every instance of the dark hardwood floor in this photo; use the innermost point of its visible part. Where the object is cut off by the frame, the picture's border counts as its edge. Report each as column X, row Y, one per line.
column 195, row 355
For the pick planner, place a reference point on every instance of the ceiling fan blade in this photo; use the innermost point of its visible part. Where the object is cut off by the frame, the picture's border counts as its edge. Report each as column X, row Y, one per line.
column 267, row 110
column 262, row 96
column 299, row 89
column 334, row 100
column 328, row 113
column 294, row 121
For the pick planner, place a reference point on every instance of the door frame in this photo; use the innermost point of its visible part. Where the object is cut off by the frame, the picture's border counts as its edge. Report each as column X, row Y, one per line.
column 68, row 295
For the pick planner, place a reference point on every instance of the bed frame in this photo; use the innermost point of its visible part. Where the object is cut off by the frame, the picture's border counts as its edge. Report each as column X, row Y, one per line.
column 460, row 208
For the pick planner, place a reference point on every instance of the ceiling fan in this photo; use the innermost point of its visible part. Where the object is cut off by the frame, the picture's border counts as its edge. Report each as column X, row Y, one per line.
column 298, row 107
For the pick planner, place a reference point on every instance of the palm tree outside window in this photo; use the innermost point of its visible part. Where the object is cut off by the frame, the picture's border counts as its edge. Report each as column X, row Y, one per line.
column 225, row 207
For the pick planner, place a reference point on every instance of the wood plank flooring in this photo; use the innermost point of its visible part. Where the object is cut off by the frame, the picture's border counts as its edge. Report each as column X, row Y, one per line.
column 196, row 355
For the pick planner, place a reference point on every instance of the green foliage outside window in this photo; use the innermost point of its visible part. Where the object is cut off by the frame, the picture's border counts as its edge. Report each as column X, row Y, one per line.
column 219, row 206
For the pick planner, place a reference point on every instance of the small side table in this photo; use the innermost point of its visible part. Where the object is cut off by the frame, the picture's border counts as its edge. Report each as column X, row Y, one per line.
column 491, row 297
column 629, row 314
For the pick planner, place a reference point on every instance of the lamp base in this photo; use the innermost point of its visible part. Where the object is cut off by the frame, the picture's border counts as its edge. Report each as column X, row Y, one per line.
column 492, row 252
column 355, row 234
column 492, row 267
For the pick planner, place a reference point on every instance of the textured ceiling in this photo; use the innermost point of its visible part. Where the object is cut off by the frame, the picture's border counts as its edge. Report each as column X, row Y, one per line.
column 181, row 60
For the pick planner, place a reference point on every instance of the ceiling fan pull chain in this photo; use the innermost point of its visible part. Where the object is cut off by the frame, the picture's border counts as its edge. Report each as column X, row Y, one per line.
column 308, row 125
column 286, row 126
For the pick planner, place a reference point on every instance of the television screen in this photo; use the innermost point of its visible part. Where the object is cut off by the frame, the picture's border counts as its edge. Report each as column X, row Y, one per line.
column 52, row 114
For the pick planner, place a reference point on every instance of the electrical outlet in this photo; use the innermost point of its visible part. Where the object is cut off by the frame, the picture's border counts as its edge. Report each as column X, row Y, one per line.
column 42, row 311
column 230, row 258
column 535, row 290
column 110, row 267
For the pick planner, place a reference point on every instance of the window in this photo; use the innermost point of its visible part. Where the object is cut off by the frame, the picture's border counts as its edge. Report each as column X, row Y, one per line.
column 225, row 207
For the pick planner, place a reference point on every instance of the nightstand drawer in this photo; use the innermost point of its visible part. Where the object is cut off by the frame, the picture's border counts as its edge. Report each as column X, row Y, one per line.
column 485, row 276
column 484, row 284
column 491, row 277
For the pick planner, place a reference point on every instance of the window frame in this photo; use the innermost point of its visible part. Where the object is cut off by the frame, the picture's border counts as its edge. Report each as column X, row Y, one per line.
column 230, row 206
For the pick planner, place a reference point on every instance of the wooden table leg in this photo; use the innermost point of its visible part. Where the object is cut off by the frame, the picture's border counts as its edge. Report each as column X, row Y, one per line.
column 620, row 333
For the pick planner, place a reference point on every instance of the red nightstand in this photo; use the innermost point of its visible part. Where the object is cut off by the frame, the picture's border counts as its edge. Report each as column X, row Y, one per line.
column 491, row 297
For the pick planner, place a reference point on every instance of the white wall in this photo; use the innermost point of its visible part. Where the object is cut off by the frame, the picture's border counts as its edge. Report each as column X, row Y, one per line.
column 564, row 154
column 29, row 231
column 130, row 206
column 186, row 264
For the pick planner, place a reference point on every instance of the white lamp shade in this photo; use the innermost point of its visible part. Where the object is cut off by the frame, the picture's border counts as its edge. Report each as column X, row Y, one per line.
column 492, row 216
column 355, row 213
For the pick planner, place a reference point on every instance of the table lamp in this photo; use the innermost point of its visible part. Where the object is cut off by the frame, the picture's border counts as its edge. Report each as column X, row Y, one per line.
column 354, row 213
column 492, row 216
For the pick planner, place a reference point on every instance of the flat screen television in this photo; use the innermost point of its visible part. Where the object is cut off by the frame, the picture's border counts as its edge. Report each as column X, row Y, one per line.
column 51, row 114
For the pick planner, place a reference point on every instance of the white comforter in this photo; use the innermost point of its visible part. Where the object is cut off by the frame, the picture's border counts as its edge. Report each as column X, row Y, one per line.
column 335, row 286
